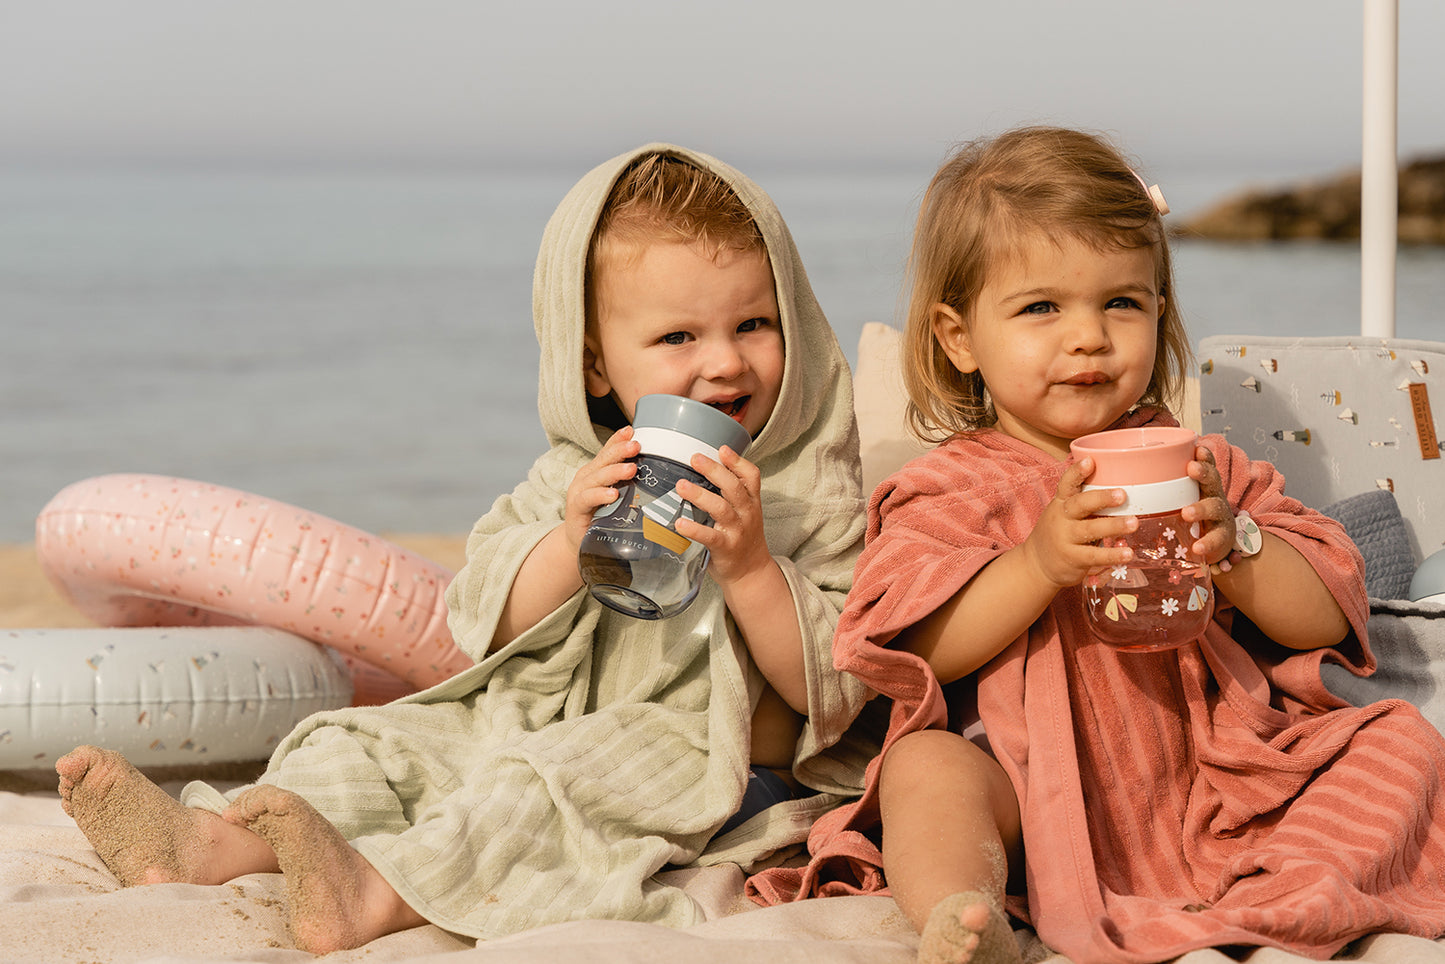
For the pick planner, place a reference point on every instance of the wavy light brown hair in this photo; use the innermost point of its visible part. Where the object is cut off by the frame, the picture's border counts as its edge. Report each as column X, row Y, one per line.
column 989, row 197
column 664, row 198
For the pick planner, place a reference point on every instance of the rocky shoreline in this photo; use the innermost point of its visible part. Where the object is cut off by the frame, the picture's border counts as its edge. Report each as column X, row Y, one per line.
column 1327, row 210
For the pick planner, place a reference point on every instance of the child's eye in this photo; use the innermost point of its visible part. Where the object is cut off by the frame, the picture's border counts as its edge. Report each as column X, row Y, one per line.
column 754, row 324
column 1126, row 304
column 675, row 338
column 1038, row 308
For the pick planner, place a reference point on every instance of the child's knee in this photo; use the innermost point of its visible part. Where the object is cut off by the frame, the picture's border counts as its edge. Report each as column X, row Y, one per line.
column 926, row 754
column 927, row 762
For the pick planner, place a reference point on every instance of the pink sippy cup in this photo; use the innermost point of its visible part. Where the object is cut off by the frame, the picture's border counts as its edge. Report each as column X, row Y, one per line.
column 1163, row 597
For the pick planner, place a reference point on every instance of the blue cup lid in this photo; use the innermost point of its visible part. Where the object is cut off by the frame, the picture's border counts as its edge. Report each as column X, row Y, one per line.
column 675, row 413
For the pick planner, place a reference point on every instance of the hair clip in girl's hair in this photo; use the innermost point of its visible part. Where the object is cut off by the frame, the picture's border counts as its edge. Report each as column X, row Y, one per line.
column 1155, row 195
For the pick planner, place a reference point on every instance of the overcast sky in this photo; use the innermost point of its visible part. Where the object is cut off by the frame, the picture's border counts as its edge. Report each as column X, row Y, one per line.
column 1266, row 85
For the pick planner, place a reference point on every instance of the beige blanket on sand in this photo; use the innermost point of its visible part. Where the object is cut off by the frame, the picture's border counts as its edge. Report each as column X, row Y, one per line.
column 59, row 904
column 555, row 778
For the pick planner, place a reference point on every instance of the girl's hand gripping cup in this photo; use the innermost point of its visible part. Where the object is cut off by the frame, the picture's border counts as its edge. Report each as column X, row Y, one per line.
column 1163, row 598
column 632, row 558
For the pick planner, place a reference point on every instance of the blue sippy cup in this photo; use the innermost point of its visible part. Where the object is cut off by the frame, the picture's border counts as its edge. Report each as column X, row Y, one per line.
column 632, row 558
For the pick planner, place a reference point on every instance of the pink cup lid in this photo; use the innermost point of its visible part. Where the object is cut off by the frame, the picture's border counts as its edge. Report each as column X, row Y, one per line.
column 1136, row 456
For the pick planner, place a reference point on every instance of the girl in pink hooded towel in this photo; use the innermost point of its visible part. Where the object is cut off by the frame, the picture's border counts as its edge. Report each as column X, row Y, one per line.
column 1129, row 806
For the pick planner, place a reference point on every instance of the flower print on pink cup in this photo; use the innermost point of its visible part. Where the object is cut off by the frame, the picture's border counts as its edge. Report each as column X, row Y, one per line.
column 1163, row 598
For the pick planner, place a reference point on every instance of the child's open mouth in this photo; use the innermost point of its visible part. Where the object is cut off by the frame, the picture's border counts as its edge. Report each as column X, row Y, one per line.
column 733, row 409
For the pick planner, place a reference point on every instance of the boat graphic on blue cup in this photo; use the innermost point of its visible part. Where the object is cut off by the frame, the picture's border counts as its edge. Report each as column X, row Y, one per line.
column 632, row 558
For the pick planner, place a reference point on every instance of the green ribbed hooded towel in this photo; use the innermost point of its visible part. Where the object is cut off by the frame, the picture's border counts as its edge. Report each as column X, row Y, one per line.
column 554, row 779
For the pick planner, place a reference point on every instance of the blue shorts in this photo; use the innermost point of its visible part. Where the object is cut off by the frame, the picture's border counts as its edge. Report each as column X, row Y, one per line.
column 764, row 789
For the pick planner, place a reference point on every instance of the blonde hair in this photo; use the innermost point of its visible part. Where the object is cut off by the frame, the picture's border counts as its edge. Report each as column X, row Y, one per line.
column 989, row 197
column 661, row 197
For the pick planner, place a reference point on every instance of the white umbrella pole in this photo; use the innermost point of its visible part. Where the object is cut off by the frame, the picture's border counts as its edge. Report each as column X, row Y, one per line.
column 1379, row 172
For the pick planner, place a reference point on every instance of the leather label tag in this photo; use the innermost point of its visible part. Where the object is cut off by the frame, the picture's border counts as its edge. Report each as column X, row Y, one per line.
column 1424, row 422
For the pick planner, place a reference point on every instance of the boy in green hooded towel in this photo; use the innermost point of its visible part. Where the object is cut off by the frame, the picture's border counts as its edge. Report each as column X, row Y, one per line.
column 586, row 750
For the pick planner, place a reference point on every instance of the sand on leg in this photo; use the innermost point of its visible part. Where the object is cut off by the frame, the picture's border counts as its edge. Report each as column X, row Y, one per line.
column 951, row 841
column 968, row 928
column 143, row 834
column 338, row 900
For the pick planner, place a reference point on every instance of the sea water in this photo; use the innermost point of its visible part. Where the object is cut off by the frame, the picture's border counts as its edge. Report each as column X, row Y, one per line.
column 361, row 344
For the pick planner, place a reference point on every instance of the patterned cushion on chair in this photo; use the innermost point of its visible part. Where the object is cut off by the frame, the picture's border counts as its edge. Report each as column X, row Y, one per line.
column 1338, row 416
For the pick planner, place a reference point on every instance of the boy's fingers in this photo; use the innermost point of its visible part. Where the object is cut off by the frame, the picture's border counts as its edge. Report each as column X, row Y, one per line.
column 717, row 473
column 610, row 475
column 624, row 448
column 740, row 467
column 705, row 499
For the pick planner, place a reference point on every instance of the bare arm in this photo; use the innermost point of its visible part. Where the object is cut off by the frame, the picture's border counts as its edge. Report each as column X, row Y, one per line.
column 753, row 585
column 1284, row 596
column 549, row 576
column 1276, row 588
column 1001, row 601
column 1005, row 597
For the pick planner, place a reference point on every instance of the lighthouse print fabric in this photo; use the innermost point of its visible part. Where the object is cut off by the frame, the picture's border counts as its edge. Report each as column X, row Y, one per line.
column 1337, row 416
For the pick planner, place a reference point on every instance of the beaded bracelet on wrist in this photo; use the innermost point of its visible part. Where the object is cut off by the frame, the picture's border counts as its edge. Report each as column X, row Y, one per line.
column 1225, row 564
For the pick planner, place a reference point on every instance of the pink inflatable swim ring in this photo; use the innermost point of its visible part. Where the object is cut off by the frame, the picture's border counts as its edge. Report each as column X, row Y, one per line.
column 141, row 550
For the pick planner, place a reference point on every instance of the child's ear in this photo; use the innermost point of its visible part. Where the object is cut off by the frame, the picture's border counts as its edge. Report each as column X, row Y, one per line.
column 951, row 333
column 594, row 370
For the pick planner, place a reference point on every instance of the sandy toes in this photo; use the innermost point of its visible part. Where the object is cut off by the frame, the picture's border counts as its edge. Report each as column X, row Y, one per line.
column 967, row 929
column 337, row 899
column 142, row 833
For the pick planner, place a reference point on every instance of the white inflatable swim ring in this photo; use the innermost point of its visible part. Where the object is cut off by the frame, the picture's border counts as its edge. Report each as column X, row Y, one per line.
column 140, row 550
column 177, row 695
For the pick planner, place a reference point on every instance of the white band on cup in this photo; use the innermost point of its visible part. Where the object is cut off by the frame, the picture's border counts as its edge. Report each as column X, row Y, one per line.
column 667, row 444
column 1152, row 497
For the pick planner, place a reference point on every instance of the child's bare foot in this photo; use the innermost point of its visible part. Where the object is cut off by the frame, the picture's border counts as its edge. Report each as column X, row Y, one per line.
column 337, row 899
column 144, row 835
column 966, row 928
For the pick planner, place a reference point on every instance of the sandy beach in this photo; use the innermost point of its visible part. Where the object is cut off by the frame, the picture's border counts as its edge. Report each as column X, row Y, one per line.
column 29, row 601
